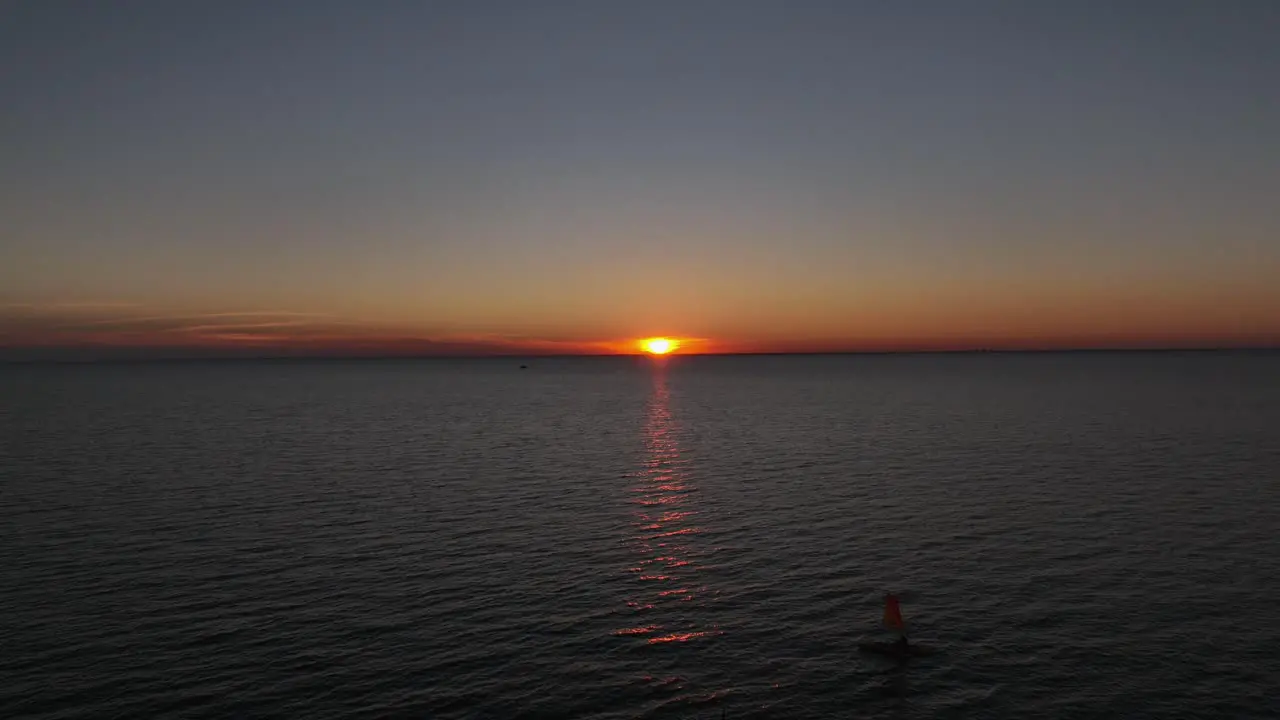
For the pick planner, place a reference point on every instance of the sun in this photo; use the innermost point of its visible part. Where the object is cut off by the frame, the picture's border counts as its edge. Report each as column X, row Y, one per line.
column 659, row 345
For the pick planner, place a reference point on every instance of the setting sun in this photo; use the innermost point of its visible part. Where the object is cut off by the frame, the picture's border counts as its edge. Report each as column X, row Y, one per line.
column 659, row 346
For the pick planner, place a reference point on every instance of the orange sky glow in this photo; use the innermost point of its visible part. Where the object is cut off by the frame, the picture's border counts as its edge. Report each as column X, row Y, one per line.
column 89, row 328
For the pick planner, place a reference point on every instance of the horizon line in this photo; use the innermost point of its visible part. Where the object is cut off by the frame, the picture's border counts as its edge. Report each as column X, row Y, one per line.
column 141, row 358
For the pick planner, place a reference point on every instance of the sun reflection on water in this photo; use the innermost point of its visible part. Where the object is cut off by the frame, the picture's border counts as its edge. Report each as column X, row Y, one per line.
column 668, row 602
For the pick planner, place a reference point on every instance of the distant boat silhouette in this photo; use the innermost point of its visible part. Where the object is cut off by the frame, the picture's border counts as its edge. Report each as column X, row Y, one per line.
column 524, row 367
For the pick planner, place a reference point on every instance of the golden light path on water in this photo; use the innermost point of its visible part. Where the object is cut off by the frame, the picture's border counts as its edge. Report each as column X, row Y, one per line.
column 667, row 592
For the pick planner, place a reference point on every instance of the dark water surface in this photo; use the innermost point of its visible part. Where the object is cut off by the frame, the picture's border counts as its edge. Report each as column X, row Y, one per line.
column 1080, row 535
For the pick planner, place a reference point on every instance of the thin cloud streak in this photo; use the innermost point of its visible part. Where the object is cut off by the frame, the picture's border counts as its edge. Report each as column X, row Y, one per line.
column 241, row 326
column 59, row 331
column 56, row 306
column 211, row 316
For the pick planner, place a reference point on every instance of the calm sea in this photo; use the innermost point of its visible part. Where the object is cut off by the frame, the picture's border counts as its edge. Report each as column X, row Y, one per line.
column 1077, row 535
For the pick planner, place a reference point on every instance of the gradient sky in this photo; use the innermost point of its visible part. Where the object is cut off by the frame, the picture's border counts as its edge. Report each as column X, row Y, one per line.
column 567, row 176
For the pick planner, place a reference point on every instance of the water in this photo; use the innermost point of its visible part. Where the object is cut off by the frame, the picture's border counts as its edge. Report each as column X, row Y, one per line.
column 1080, row 535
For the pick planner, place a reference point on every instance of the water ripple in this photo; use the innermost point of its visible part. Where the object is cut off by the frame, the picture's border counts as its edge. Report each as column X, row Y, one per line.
column 1078, row 535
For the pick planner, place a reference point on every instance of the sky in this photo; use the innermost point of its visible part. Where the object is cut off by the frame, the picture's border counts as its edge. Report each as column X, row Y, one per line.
column 386, row 177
